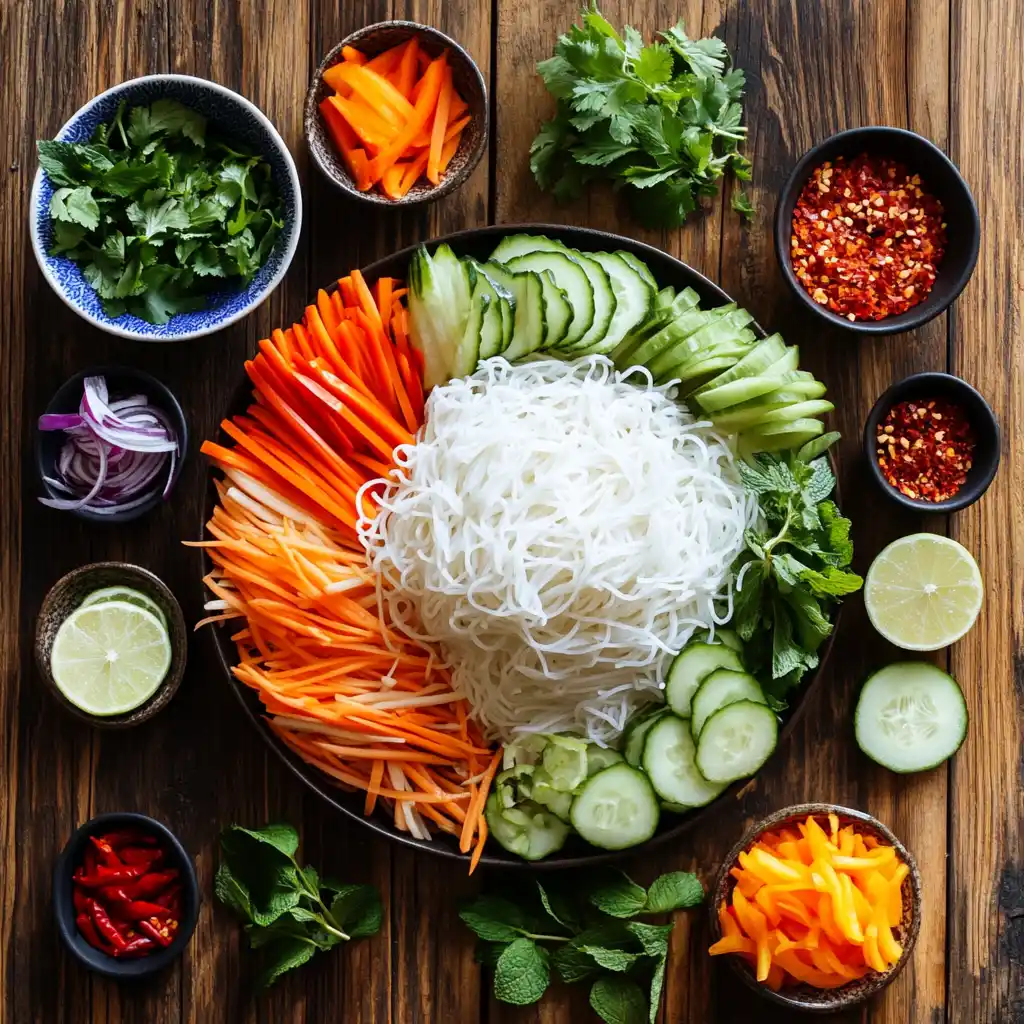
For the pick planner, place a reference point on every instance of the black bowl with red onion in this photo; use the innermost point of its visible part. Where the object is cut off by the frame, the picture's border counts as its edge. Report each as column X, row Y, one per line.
column 110, row 445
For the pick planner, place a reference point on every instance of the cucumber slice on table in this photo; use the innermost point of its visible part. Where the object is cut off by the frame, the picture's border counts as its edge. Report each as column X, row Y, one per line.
column 721, row 687
column 529, row 831
column 691, row 667
column 616, row 808
column 911, row 716
column 736, row 740
column 669, row 760
column 636, row 734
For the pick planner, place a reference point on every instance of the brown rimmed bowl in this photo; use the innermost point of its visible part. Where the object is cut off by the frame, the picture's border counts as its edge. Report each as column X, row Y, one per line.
column 804, row 997
column 467, row 79
column 69, row 592
column 479, row 243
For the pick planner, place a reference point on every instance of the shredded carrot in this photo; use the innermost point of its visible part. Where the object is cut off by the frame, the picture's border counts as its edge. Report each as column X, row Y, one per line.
column 395, row 118
column 818, row 910
column 341, row 687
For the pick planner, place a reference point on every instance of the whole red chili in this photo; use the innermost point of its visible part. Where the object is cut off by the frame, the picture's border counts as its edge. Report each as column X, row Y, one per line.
column 867, row 237
column 925, row 448
column 141, row 946
column 156, row 931
column 105, row 926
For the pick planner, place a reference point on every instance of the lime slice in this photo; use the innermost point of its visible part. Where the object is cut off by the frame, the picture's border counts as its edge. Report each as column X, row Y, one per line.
column 923, row 592
column 110, row 657
column 128, row 594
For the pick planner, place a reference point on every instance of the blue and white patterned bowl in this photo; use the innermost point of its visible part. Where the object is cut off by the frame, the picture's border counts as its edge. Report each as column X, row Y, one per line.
column 238, row 119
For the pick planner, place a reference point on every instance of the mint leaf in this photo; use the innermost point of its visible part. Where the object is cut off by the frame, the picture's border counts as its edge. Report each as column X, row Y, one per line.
column 831, row 582
column 60, row 162
column 357, row 909
column 742, row 205
column 619, row 960
column 522, row 974
column 618, row 895
column 75, row 205
column 285, row 955
column 657, row 983
column 619, row 1001
column 282, row 838
column 677, row 890
column 572, row 963
column 494, row 919
column 653, row 937
column 489, row 953
column 231, row 892
column 557, row 907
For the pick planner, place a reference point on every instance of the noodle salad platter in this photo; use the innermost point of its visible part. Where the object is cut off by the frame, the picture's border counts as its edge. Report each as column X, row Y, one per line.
column 523, row 545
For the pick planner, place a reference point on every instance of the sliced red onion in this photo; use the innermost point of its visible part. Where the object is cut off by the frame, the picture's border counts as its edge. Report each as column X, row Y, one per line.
column 114, row 452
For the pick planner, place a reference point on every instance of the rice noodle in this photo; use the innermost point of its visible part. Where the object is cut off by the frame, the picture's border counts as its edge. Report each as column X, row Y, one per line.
column 561, row 533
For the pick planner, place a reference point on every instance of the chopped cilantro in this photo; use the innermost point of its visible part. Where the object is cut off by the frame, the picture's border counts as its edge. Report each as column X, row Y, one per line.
column 159, row 213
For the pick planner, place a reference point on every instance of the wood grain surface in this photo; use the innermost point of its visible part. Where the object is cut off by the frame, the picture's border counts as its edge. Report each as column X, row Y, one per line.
column 945, row 68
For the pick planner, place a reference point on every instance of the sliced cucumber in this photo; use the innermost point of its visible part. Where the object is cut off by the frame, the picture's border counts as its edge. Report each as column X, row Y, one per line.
column 798, row 410
column 468, row 353
column 910, row 717
column 736, row 740
column 789, row 435
column 528, row 831
column 818, row 446
column 440, row 292
column 550, row 796
column 557, row 312
column 568, row 275
column 691, row 667
column 721, row 331
column 729, row 638
column 634, row 298
column 599, row 758
column 639, row 266
column 514, row 785
column 565, row 761
column 757, row 360
column 528, row 323
column 635, row 735
column 605, row 303
column 667, row 307
column 616, row 808
column 669, row 760
column 504, row 301
column 679, row 328
column 721, row 687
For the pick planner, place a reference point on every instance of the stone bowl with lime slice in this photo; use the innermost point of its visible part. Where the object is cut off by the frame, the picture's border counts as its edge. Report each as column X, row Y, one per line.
column 111, row 644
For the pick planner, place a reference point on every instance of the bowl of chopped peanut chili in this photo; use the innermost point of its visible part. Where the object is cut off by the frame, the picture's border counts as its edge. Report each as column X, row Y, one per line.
column 876, row 230
column 125, row 896
column 932, row 442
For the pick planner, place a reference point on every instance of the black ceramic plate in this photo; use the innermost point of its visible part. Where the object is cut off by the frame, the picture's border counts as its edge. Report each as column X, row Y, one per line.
column 480, row 242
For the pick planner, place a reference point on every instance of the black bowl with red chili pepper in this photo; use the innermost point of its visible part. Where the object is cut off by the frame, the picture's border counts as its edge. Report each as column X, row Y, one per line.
column 876, row 230
column 126, row 898
column 932, row 443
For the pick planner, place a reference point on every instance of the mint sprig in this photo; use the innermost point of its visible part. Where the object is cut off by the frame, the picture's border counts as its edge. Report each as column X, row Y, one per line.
column 290, row 912
column 587, row 931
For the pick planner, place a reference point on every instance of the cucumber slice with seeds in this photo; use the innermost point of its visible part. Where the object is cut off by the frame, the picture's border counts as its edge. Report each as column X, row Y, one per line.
column 669, row 760
column 529, row 831
column 616, row 808
column 910, row 717
column 691, row 667
column 719, row 688
column 736, row 741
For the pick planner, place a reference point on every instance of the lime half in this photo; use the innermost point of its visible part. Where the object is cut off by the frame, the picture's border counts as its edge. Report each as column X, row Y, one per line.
column 923, row 592
column 128, row 594
column 110, row 657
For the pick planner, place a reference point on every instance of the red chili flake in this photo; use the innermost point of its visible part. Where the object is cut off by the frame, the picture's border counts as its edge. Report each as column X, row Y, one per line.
column 867, row 238
column 925, row 448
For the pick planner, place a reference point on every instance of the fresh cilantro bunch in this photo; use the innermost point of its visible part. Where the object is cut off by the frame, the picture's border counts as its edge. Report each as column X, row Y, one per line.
column 584, row 932
column 661, row 121
column 291, row 912
column 793, row 570
column 157, row 213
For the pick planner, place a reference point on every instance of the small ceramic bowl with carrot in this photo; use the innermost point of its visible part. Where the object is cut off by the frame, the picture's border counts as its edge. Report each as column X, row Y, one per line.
column 817, row 907
column 397, row 114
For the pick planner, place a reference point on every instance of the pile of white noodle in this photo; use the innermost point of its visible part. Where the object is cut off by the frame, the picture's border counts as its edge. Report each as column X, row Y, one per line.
column 560, row 533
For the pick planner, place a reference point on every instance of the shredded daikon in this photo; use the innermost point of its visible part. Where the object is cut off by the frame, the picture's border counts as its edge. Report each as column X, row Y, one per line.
column 561, row 533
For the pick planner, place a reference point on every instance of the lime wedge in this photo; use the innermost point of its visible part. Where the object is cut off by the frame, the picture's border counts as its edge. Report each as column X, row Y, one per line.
column 110, row 657
column 128, row 594
column 923, row 592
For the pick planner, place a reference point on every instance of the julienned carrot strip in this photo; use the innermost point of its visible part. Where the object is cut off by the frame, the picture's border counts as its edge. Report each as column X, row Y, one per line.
column 387, row 61
column 426, row 103
column 455, row 128
column 449, row 150
column 413, row 171
column 476, row 807
column 350, row 53
column 458, row 107
column 407, row 68
column 364, row 297
column 372, row 129
column 377, row 91
column 344, row 137
column 378, row 336
column 378, row 349
column 391, row 180
column 444, row 100
column 348, row 294
column 382, row 300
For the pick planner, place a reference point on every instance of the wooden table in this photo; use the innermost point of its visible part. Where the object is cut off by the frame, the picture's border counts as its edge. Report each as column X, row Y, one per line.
column 945, row 68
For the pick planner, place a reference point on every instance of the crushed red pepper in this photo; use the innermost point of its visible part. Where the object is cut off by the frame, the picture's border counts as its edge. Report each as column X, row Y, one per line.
column 925, row 448
column 867, row 238
column 120, row 890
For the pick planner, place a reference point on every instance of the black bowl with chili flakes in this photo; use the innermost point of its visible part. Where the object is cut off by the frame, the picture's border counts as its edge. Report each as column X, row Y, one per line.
column 886, row 230
column 125, row 895
column 932, row 442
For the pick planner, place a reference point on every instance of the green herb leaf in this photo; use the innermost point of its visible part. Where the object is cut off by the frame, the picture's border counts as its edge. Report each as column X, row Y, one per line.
column 572, row 963
column 522, row 973
column 618, row 960
column 678, row 890
column 742, row 205
column 618, row 1001
column 657, row 983
column 285, row 955
column 76, row 205
column 494, row 919
column 653, row 937
column 358, row 910
column 231, row 892
column 618, row 895
column 557, row 907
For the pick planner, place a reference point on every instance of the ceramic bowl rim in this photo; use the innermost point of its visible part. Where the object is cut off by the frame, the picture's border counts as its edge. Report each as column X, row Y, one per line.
column 449, row 183
column 63, row 910
column 917, row 315
column 293, row 231
column 875, row 983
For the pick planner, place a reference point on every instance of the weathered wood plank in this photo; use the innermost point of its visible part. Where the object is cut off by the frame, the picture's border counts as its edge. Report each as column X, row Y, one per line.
column 986, row 912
